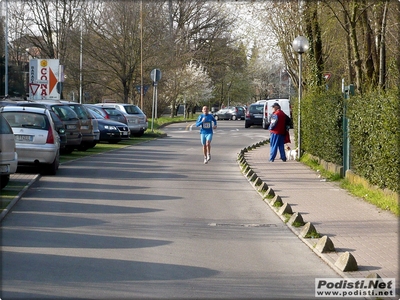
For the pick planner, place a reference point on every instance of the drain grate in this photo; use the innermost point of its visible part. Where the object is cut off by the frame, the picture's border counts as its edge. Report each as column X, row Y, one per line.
column 240, row 225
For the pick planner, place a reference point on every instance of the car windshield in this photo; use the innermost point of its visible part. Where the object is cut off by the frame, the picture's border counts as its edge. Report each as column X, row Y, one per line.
column 113, row 112
column 26, row 120
column 95, row 114
column 256, row 109
column 132, row 109
column 5, row 127
column 64, row 112
column 80, row 111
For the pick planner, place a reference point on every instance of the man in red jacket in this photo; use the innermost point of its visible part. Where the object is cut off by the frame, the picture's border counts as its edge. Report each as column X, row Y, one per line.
column 277, row 129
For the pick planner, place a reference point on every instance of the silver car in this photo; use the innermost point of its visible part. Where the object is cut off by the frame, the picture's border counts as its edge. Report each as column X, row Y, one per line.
column 36, row 138
column 8, row 152
column 137, row 120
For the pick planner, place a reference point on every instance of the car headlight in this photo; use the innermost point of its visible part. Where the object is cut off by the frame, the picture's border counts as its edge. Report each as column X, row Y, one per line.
column 61, row 130
column 109, row 127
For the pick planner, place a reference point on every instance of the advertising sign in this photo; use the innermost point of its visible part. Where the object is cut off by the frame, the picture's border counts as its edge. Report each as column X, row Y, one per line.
column 43, row 79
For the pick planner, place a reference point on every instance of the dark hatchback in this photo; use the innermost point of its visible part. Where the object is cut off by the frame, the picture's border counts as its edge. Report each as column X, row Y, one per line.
column 110, row 113
column 87, row 130
column 110, row 131
column 254, row 115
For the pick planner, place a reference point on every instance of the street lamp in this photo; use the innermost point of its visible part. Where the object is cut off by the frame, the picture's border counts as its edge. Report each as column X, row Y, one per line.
column 300, row 45
column 80, row 55
column 6, row 50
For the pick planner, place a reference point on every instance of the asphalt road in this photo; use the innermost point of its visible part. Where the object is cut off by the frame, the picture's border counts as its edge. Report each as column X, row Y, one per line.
column 152, row 220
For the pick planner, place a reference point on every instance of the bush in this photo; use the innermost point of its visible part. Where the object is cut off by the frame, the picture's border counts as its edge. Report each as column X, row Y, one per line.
column 321, row 126
column 373, row 131
column 374, row 138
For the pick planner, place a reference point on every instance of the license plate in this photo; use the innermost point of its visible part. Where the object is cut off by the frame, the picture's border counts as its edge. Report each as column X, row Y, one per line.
column 85, row 127
column 124, row 133
column 23, row 138
column 5, row 169
column 257, row 116
column 71, row 126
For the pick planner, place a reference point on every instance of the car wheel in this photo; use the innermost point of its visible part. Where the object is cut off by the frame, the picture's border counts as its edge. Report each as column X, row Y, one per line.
column 67, row 150
column 92, row 145
column 264, row 125
column 4, row 180
column 53, row 167
column 138, row 134
column 246, row 125
column 234, row 118
column 82, row 147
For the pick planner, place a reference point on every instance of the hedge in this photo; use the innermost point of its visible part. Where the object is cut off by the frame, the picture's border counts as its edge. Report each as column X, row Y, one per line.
column 374, row 134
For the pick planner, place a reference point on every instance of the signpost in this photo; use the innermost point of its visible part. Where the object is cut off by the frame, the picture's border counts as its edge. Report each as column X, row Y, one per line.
column 155, row 76
column 43, row 79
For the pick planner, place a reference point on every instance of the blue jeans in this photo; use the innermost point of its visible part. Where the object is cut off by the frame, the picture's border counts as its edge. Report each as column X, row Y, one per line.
column 277, row 142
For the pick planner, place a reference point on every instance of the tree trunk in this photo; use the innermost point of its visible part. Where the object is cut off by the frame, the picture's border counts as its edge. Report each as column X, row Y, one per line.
column 354, row 43
column 382, row 49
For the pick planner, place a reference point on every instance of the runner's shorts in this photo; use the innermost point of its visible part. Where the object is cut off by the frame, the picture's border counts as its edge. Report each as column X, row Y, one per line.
column 206, row 137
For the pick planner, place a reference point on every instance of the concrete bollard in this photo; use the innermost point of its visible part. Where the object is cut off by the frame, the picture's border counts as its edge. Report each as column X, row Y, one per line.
column 285, row 209
column 263, row 187
column 249, row 173
column 373, row 275
column 324, row 245
column 270, row 192
column 296, row 219
column 308, row 230
column 346, row 262
column 258, row 181
column 276, row 201
column 253, row 177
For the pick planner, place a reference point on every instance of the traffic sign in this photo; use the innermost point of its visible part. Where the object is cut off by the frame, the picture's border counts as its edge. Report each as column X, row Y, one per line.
column 327, row 76
column 155, row 75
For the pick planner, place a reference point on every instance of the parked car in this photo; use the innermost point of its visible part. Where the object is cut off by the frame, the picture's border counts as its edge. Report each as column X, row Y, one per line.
column 70, row 126
column 88, row 135
column 230, row 113
column 254, row 115
column 8, row 152
column 267, row 110
column 137, row 120
column 60, row 127
column 36, row 139
column 96, row 130
column 110, row 131
column 110, row 113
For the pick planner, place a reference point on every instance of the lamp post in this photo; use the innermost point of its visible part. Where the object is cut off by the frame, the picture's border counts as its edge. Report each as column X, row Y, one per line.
column 80, row 55
column 6, row 50
column 300, row 45
column 141, row 55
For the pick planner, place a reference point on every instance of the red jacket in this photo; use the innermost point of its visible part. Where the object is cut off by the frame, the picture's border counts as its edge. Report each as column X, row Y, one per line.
column 280, row 126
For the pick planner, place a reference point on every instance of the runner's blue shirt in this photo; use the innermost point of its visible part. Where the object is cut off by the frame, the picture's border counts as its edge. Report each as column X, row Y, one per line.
column 207, row 125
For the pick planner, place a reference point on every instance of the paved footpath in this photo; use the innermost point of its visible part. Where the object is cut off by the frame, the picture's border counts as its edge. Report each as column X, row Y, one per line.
column 368, row 233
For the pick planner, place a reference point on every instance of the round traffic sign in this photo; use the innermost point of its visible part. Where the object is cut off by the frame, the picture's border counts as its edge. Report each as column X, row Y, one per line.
column 155, row 75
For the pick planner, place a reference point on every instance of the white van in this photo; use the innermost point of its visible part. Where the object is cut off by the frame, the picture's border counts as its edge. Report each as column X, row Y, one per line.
column 285, row 107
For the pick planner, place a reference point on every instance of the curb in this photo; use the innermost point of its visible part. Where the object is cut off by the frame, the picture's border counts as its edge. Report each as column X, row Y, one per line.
column 270, row 198
column 16, row 198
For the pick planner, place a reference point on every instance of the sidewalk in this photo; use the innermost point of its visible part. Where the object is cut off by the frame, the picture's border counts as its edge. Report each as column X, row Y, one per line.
column 369, row 234
column 24, row 181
